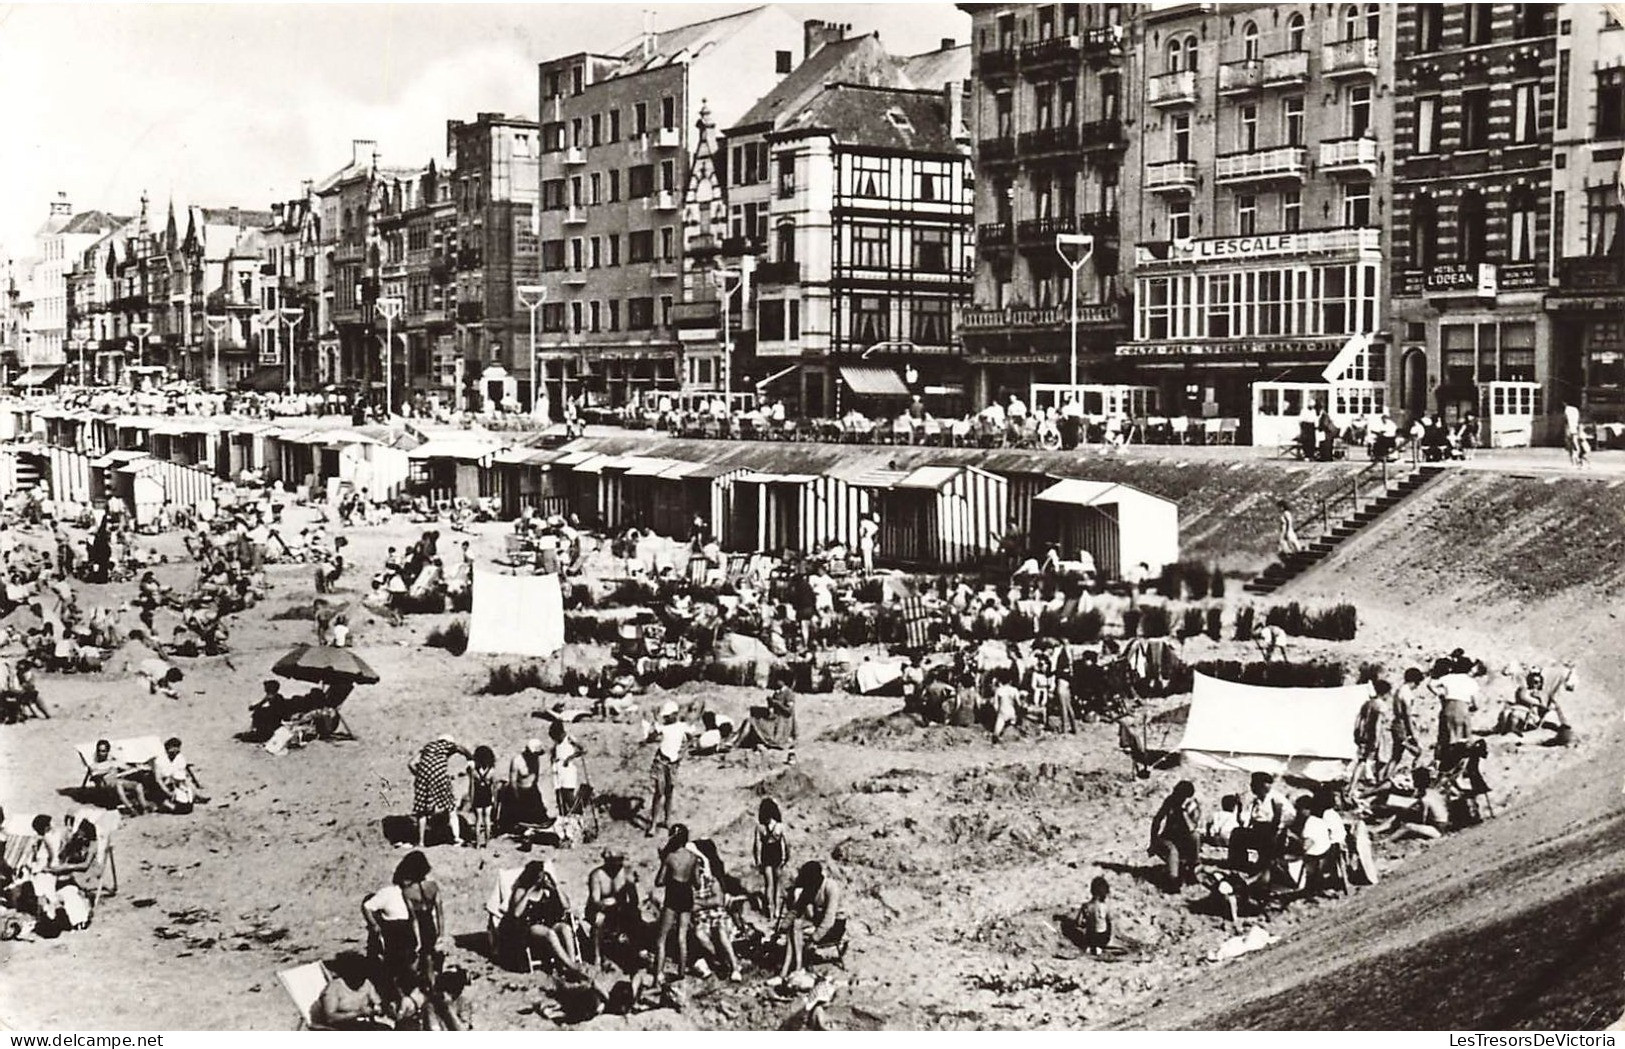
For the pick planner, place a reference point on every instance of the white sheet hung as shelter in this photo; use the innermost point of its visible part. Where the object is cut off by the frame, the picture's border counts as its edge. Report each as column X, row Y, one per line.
column 1307, row 732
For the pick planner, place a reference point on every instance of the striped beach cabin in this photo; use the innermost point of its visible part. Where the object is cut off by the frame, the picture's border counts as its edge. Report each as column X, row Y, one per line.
column 942, row 517
column 773, row 512
column 523, row 478
column 1118, row 525
column 685, row 491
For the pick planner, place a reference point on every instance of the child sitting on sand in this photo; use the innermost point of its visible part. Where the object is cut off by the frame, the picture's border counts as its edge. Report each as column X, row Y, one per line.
column 1095, row 917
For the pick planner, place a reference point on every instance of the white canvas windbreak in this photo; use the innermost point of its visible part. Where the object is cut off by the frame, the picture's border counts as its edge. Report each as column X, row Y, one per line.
column 516, row 615
column 1306, row 732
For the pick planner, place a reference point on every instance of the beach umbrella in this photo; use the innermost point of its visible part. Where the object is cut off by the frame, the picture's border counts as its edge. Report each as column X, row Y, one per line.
column 324, row 664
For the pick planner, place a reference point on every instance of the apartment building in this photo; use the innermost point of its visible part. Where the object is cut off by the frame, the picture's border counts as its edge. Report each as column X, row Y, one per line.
column 1476, row 100
column 418, row 227
column 618, row 137
column 59, row 242
column 1051, row 144
column 1257, row 226
column 291, row 279
column 850, row 188
column 1586, row 305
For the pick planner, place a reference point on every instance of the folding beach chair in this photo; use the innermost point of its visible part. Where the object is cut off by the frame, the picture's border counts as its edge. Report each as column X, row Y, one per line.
column 738, row 567
column 304, row 985
column 698, row 569
column 584, row 810
column 137, row 750
column 496, row 907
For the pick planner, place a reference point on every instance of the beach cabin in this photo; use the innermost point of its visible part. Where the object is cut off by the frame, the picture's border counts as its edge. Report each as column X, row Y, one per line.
column 100, row 479
column 942, row 517
column 639, row 484
column 445, row 468
column 586, row 489
column 1118, row 525
column 685, row 491
column 791, row 511
column 1508, row 411
column 524, row 477
column 1024, row 488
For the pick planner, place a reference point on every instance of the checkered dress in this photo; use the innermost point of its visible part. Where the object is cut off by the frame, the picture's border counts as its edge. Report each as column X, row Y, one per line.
column 431, row 786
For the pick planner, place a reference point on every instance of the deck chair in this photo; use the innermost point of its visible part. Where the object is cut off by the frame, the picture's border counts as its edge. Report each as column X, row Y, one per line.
column 136, row 750
column 304, row 985
column 738, row 567
column 496, row 906
column 698, row 569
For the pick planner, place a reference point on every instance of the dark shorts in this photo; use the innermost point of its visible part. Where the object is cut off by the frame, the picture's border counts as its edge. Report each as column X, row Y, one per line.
column 663, row 774
column 679, row 898
column 772, row 854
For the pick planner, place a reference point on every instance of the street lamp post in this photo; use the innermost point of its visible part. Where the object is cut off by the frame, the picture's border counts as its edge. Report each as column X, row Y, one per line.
column 389, row 307
column 141, row 329
column 216, row 323
column 81, row 342
column 531, row 297
column 291, row 316
column 1083, row 246
column 747, row 265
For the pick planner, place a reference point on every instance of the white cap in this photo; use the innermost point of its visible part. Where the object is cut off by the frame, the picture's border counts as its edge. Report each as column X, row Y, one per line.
column 534, row 746
column 668, row 709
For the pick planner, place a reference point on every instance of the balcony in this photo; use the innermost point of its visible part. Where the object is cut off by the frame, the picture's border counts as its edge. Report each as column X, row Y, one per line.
column 1171, row 176
column 687, row 316
column 1172, row 89
column 1102, row 134
column 470, row 312
column 665, row 269
column 997, row 63
column 665, row 200
column 1349, row 156
column 786, row 272
column 1239, row 78
column 575, row 215
column 1050, row 318
column 666, row 138
column 575, row 278
column 1103, row 42
column 1001, row 150
column 1040, row 233
column 733, row 247
column 1349, row 58
column 1048, row 140
column 575, row 156
column 1282, row 163
column 1060, row 50
column 1591, row 273
column 1287, row 67
column 993, row 236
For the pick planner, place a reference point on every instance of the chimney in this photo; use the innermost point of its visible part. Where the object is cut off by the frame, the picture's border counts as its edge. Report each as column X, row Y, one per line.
column 60, row 205
column 306, row 188
column 276, row 214
column 815, row 33
column 650, row 39
column 362, row 151
column 947, row 44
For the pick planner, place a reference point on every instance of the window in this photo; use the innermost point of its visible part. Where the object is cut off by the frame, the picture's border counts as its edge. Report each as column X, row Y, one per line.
column 1158, row 308
column 1334, row 296
column 640, row 246
column 595, row 189
column 1559, row 219
column 1353, row 24
column 578, row 256
column 786, row 241
column 1218, row 306
column 787, row 176
column 1292, row 119
column 1480, row 18
column 576, row 317
column 1291, row 210
column 667, row 305
column 614, row 249
column 595, row 316
column 1518, row 353
column 1430, row 26
column 640, row 119
column 1111, row 95
column 1190, row 54
column 1475, row 118
column 577, row 195
column 640, row 314
column 1525, row 115
column 783, row 61
column 1610, row 103
column 871, row 317
column 640, row 181
column 555, row 85
column 1522, row 221
column 595, row 256
column 1424, row 232
column 1246, row 215
column 553, row 316
column 1007, row 32
column 1373, row 21
column 1066, row 97
column 1180, row 130
column 871, row 177
column 668, row 243
column 1459, row 353
column 614, row 125
column 932, row 250
column 770, row 320
column 795, row 318
column 1470, row 226
column 1175, row 55
column 930, row 321
column 668, row 175
column 930, row 186
column 668, row 112
column 1603, row 211
column 597, row 124
column 1247, row 117
column 552, row 256
column 1357, row 204
column 614, row 186
column 1046, row 23
column 578, row 82
column 1004, row 113
column 553, row 194
column 1043, row 195
column 1294, row 33
column 1249, row 42
column 1044, row 105
column 870, row 247
column 1427, row 125
column 576, row 132
column 1359, row 111
column 1179, row 218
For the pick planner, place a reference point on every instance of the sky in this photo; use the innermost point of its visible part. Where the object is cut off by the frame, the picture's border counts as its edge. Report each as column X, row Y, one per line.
column 236, row 103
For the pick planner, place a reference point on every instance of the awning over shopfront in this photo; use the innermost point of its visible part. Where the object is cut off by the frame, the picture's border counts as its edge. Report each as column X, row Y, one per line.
column 39, row 376
column 873, row 380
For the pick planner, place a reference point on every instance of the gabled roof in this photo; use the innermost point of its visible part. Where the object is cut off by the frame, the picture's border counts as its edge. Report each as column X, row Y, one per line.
column 693, row 38
column 93, row 222
column 888, row 118
column 930, row 71
column 858, row 60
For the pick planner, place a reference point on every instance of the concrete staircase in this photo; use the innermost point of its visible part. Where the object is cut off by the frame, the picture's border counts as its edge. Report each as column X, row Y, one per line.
column 1363, row 510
